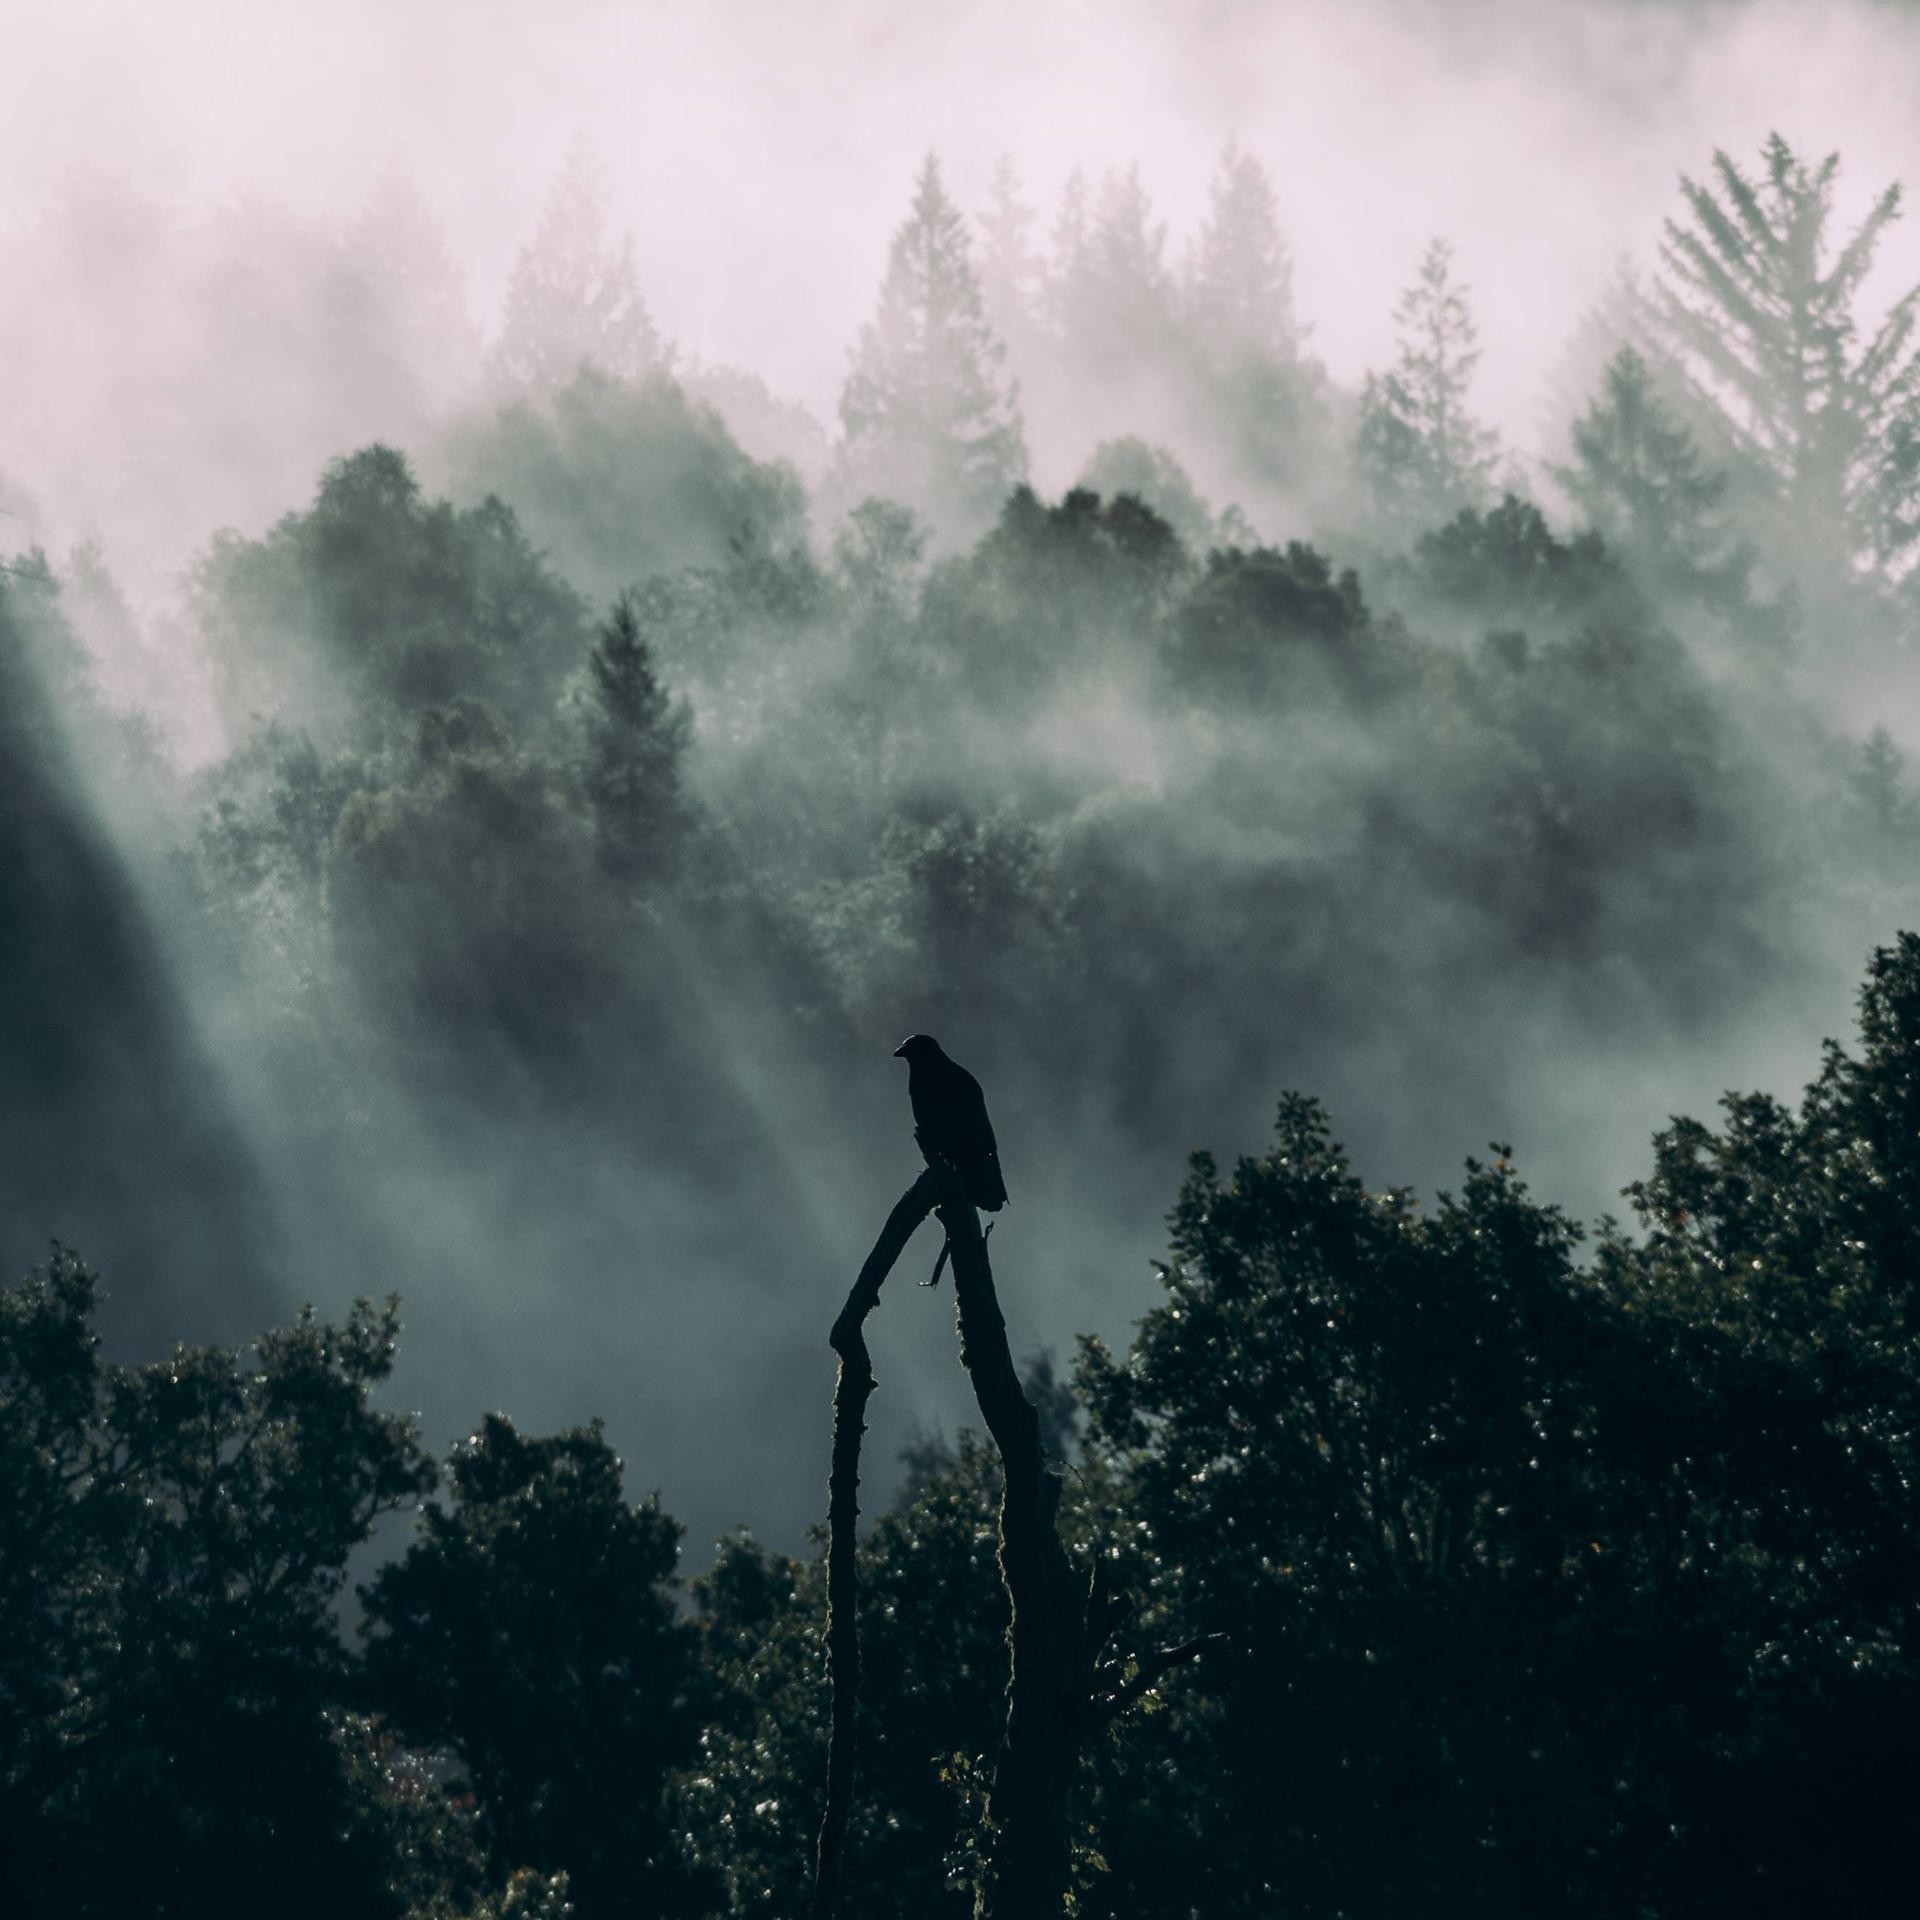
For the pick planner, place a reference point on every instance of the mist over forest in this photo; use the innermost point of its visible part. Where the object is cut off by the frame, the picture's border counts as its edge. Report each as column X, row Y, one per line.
column 491, row 770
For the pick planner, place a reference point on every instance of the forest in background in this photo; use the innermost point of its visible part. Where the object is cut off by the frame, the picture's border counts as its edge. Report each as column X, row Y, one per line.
column 501, row 877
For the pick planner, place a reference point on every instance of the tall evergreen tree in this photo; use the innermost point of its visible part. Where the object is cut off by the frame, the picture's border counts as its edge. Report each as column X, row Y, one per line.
column 1759, row 302
column 1421, row 454
column 1240, row 288
column 411, row 288
column 636, row 738
column 574, row 299
column 1116, row 299
column 1012, row 273
column 1067, row 255
column 930, row 418
column 1241, row 325
column 1638, row 477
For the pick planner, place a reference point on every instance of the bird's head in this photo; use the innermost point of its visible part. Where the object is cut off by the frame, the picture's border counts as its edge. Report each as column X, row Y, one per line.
column 917, row 1046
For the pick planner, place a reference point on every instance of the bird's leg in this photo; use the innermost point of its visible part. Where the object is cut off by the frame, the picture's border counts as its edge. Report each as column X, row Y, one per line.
column 946, row 1247
column 940, row 1265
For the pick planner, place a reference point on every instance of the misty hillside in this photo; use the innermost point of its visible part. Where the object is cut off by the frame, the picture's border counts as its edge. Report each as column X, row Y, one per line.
column 538, row 829
column 489, row 773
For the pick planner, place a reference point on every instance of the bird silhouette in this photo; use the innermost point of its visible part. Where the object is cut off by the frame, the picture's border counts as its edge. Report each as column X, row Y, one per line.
column 950, row 1119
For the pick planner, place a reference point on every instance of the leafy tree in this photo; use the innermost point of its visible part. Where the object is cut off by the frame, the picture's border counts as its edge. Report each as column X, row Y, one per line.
column 1778, row 1274
column 617, row 479
column 375, row 603
column 1587, row 1585
column 532, row 1628
column 1069, row 591
column 1257, row 622
column 928, row 417
column 458, row 891
column 1505, row 570
column 1354, row 1452
column 574, row 298
column 1153, row 476
column 1760, row 302
column 1420, row 453
column 175, row 1539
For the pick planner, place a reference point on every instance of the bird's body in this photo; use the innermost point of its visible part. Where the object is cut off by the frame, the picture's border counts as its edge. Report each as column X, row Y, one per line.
column 950, row 1118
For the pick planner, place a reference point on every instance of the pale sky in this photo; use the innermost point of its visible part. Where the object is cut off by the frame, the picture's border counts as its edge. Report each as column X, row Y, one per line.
column 762, row 151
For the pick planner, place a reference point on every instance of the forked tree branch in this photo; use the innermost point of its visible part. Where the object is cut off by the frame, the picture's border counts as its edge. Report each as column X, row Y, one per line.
column 851, row 1389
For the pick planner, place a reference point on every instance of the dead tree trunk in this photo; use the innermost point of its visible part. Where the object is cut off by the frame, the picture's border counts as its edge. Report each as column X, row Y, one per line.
column 1058, row 1691
column 851, row 1390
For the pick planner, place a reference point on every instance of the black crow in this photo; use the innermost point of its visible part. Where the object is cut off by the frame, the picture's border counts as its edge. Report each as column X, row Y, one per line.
column 950, row 1114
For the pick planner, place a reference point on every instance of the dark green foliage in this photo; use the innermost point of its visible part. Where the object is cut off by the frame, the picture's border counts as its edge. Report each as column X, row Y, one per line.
column 532, row 1629
column 377, row 599
column 1152, row 475
column 1640, row 482
column 933, row 1631
column 636, row 739
column 1053, row 594
column 1562, row 1580
column 1505, row 569
column 175, row 1536
column 1554, row 1584
column 1264, row 623
column 618, row 479
column 1555, row 1580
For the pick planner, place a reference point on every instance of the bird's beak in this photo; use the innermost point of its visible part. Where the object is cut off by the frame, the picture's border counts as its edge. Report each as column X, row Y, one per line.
column 900, row 1052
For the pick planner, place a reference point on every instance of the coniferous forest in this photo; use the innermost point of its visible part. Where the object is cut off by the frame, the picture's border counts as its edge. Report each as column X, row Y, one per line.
column 485, row 796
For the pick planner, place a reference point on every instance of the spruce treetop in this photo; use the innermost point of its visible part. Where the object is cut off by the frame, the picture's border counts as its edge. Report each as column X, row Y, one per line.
column 928, row 415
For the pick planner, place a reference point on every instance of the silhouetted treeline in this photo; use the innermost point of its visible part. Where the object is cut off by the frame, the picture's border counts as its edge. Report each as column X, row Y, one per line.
column 1555, row 1582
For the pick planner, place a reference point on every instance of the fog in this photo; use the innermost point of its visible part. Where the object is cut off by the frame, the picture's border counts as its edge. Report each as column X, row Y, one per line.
column 339, row 963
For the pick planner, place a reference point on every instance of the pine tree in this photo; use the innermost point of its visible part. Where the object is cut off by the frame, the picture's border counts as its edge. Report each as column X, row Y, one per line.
column 636, row 738
column 1067, row 256
column 1012, row 274
column 1638, row 478
column 410, row 345
column 929, row 417
column 1759, row 303
column 574, row 299
column 1421, row 454
column 1240, row 289
column 1117, row 299
column 1241, row 326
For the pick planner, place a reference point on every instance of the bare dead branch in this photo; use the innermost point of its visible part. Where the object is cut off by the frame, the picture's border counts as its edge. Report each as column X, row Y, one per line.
column 851, row 1389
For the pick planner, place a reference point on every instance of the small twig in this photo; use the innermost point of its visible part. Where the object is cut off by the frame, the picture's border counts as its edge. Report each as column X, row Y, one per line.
column 1153, row 1668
